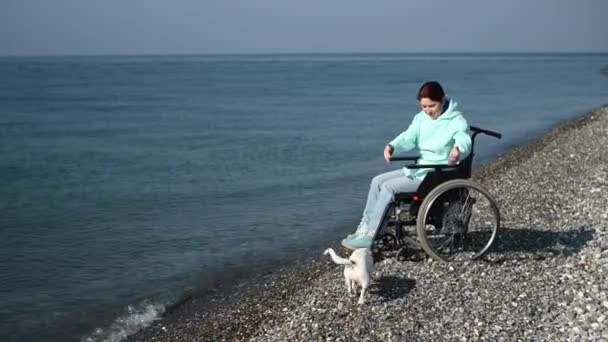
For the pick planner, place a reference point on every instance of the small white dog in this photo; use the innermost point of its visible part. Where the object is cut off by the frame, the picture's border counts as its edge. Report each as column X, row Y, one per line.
column 358, row 269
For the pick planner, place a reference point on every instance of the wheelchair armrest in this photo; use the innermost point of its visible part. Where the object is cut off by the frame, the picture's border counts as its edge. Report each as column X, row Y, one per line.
column 405, row 158
column 432, row 166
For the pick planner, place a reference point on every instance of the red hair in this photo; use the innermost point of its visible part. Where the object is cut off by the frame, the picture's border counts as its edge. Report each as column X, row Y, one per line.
column 431, row 90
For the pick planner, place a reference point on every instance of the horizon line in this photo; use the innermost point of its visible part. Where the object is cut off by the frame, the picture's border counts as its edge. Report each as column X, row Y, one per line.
column 308, row 53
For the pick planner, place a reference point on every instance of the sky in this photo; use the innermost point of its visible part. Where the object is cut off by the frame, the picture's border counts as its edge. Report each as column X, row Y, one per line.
column 101, row 27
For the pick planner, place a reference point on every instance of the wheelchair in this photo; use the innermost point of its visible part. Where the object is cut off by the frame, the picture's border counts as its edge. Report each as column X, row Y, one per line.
column 451, row 217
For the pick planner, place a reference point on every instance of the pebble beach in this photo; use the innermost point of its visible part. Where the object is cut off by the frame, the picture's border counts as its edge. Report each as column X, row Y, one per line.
column 545, row 278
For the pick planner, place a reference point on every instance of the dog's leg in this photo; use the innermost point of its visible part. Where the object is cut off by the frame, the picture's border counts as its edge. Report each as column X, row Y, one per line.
column 348, row 286
column 361, row 297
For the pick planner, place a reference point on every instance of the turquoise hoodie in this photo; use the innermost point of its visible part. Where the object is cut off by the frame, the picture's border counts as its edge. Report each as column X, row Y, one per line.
column 434, row 138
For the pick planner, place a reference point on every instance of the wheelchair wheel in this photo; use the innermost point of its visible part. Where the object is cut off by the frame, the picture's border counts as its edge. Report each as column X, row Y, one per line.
column 458, row 220
column 386, row 242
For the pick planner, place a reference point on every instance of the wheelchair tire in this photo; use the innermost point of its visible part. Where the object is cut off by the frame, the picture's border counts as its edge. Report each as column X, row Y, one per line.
column 458, row 220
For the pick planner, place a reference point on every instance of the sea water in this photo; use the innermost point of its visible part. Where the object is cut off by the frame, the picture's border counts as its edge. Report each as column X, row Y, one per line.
column 126, row 181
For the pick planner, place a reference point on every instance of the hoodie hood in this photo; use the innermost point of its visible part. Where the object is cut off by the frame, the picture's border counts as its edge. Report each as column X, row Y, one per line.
column 451, row 112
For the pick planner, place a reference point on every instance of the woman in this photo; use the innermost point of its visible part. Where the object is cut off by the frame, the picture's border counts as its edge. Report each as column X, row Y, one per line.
column 440, row 132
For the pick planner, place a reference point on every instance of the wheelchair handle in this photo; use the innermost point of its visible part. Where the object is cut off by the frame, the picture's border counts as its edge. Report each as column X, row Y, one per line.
column 485, row 131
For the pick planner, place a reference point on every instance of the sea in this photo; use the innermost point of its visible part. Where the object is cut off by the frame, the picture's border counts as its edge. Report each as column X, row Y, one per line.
column 128, row 181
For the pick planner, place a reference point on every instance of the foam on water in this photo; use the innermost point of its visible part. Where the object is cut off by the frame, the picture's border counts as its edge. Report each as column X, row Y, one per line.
column 136, row 318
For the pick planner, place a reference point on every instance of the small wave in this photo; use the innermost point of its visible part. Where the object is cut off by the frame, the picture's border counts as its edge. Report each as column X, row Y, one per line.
column 135, row 319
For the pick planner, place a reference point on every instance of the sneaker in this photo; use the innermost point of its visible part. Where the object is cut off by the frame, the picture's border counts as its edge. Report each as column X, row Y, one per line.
column 361, row 229
column 361, row 241
column 353, row 235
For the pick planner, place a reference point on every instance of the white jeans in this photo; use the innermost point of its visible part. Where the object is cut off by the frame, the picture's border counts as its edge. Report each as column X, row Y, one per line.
column 381, row 193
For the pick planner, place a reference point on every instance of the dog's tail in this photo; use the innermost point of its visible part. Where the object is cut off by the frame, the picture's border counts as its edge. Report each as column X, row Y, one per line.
column 337, row 259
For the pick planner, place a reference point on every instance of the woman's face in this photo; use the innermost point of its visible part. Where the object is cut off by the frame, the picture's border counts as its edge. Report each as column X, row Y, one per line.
column 431, row 108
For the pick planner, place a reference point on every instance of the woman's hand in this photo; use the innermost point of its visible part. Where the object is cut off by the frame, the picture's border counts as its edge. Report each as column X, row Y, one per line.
column 388, row 152
column 454, row 156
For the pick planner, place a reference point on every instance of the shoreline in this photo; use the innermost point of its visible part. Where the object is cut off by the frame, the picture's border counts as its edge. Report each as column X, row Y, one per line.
column 543, row 238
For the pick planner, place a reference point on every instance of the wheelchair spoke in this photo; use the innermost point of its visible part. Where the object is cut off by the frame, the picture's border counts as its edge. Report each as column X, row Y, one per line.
column 449, row 241
column 464, row 206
